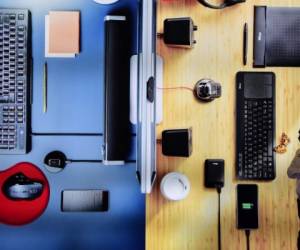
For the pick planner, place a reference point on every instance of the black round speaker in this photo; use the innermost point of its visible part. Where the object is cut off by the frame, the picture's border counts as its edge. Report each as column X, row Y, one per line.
column 56, row 159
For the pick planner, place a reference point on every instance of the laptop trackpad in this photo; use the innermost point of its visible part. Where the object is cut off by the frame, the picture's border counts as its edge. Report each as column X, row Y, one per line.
column 258, row 86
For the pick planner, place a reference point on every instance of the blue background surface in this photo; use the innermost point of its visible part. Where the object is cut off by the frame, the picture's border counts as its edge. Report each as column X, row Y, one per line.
column 75, row 104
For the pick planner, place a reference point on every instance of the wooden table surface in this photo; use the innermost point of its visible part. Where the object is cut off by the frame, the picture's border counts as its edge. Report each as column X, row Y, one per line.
column 192, row 223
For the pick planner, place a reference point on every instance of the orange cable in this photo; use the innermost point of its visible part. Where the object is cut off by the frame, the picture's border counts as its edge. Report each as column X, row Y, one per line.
column 174, row 88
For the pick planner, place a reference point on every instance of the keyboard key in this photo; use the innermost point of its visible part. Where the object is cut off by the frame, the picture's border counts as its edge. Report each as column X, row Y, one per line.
column 21, row 28
column 21, row 17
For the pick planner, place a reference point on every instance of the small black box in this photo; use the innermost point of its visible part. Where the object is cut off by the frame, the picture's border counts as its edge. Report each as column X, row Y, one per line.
column 179, row 32
column 214, row 173
column 177, row 142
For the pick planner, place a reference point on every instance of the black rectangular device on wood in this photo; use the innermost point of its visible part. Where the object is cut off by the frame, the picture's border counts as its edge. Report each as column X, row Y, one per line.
column 247, row 206
column 276, row 36
column 177, row 142
column 255, row 126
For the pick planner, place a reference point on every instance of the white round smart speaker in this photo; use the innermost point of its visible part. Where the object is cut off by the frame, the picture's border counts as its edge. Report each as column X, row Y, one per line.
column 175, row 186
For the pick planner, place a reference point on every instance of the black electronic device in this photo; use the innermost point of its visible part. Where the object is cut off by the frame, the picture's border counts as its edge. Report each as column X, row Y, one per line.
column 20, row 187
column 255, row 125
column 225, row 4
column 214, row 173
column 179, row 32
column 177, row 142
column 245, row 44
column 117, row 68
column 15, row 83
column 84, row 201
column 214, row 178
column 276, row 36
column 247, row 206
column 207, row 90
column 58, row 160
column 247, row 209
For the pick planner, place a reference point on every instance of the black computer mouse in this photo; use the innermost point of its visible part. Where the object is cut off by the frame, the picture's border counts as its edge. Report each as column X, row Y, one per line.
column 20, row 187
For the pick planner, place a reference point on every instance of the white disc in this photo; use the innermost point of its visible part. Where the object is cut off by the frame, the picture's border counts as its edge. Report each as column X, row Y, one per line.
column 175, row 186
column 106, row 1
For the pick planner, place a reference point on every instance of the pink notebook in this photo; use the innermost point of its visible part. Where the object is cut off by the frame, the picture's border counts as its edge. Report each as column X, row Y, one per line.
column 64, row 32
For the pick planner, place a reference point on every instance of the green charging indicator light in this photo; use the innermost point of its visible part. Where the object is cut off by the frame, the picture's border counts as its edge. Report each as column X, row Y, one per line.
column 247, row 206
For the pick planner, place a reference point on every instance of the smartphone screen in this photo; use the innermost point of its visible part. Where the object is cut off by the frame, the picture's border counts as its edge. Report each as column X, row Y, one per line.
column 247, row 206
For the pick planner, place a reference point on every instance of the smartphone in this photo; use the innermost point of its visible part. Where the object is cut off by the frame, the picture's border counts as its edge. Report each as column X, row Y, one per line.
column 247, row 206
column 84, row 201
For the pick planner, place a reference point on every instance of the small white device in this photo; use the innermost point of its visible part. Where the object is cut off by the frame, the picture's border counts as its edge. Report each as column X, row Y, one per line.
column 106, row 1
column 175, row 186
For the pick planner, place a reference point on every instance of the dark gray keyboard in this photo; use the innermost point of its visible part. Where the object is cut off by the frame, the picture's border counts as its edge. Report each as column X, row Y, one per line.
column 14, row 81
column 255, row 134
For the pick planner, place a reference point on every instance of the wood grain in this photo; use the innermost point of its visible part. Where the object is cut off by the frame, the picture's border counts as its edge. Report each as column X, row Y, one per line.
column 192, row 223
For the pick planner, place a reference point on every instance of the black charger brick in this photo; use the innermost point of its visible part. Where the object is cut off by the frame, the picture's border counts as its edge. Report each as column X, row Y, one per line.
column 179, row 32
column 177, row 142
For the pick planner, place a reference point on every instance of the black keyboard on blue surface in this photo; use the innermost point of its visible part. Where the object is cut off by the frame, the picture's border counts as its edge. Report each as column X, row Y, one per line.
column 15, row 71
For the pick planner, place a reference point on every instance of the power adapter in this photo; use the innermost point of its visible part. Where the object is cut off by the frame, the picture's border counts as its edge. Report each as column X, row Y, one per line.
column 177, row 142
column 214, row 173
column 179, row 32
column 214, row 178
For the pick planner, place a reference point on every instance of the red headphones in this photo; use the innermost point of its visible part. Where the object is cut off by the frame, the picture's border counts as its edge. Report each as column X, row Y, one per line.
column 24, row 194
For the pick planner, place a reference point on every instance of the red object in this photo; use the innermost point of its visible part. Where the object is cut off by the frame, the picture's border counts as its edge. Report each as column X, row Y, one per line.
column 20, row 212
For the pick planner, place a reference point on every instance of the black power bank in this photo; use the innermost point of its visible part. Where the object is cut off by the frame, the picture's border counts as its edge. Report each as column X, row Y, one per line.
column 214, row 173
column 247, row 206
